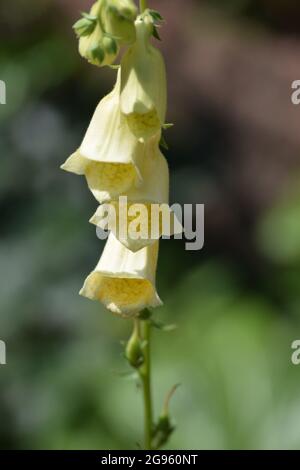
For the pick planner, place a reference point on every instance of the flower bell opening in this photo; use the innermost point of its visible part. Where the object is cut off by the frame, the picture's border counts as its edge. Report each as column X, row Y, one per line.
column 105, row 180
column 124, row 281
column 125, row 297
column 110, row 156
column 112, row 178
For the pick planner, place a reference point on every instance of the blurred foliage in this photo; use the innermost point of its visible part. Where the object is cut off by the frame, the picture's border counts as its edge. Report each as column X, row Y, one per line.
column 277, row 15
column 65, row 384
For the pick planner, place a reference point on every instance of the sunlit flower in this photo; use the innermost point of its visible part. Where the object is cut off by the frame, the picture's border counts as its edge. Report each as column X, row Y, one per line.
column 143, row 84
column 110, row 155
column 121, row 159
column 142, row 216
column 124, row 281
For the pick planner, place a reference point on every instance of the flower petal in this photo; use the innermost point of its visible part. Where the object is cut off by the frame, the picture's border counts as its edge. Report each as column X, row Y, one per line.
column 143, row 215
column 124, row 281
column 143, row 85
column 110, row 155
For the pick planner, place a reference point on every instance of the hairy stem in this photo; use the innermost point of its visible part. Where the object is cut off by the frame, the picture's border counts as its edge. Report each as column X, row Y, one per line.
column 145, row 374
column 143, row 5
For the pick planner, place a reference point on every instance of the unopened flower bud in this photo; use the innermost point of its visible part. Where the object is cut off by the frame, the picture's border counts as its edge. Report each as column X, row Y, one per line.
column 125, row 8
column 133, row 352
column 94, row 45
column 97, row 54
column 109, row 45
column 118, row 20
column 98, row 48
column 85, row 26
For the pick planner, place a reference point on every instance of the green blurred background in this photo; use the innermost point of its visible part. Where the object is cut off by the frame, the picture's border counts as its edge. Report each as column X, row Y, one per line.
column 235, row 148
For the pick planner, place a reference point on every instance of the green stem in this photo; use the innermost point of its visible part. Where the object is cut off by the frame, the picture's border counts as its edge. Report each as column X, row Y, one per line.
column 145, row 374
column 143, row 5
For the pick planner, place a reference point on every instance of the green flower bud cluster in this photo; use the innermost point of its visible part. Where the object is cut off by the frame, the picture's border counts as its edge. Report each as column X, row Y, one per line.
column 108, row 26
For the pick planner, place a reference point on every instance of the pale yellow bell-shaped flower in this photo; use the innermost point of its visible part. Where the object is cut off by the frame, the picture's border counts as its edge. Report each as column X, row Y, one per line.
column 143, row 84
column 124, row 281
column 141, row 216
column 110, row 155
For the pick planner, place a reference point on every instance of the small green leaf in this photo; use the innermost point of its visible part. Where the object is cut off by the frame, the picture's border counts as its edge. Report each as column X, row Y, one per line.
column 156, row 15
column 163, row 143
column 97, row 53
column 88, row 16
column 128, row 375
column 162, row 326
column 84, row 27
column 109, row 45
column 156, row 33
column 168, row 125
column 162, row 432
column 164, row 427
